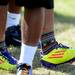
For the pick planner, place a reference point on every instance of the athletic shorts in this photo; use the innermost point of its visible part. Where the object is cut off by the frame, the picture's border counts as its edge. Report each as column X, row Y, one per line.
column 49, row 4
column 3, row 2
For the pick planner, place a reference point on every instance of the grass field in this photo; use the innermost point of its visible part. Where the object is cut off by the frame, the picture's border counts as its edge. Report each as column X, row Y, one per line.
column 65, row 33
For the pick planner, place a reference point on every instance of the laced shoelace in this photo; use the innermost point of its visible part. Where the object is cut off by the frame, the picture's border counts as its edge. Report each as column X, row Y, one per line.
column 63, row 46
column 54, row 46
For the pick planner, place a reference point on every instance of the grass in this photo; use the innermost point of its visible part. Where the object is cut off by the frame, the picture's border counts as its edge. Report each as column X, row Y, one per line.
column 65, row 7
column 65, row 21
column 65, row 33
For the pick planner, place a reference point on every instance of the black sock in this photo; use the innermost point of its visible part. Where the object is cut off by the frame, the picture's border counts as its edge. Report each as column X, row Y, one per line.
column 48, row 41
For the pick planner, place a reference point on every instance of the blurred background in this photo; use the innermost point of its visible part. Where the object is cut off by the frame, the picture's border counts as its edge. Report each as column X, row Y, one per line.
column 65, row 32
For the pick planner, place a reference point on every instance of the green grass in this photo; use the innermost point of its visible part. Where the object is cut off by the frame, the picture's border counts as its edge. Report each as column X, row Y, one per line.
column 65, row 33
column 65, row 21
column 65, row 7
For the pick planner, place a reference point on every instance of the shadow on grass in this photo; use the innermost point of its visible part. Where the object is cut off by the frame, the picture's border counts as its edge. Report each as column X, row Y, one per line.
column 64, row 19
column 66, row 68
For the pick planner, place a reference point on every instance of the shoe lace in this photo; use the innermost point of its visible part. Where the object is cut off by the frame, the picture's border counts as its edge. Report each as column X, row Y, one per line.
column 63, row 46
column 53, row 46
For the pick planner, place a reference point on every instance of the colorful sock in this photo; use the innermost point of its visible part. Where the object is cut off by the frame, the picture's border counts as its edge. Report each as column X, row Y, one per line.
column 48, row 41
column 13, row 19
column 27, row 54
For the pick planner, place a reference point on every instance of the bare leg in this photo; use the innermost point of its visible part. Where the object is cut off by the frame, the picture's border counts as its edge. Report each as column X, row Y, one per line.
column 12, row 7
column 3, row 13
column 31, row 33
column 33, row 29
column 48, row 38
column 49, row 21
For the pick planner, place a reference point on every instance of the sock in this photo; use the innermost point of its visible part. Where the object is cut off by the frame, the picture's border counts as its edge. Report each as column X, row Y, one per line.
column 13, row 19
column 27, row 54
column 48, row 41
column 2, row 44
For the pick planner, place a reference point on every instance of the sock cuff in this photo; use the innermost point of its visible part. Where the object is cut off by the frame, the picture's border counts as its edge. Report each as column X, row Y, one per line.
column 48, row 33
column 48, row 36
column 13, row 19
column 13, row 14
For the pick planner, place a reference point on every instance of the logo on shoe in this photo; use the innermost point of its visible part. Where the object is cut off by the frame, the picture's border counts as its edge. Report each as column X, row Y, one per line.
column 57, row 54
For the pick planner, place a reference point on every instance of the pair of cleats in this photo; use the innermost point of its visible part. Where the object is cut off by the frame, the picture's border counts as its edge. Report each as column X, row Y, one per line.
column 54, row 56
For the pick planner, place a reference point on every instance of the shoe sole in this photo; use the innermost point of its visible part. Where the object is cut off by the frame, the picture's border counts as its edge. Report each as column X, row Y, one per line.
column 51, row 65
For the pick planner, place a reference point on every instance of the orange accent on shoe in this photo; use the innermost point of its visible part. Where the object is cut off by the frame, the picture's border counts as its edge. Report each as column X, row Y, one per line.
column 58, row 54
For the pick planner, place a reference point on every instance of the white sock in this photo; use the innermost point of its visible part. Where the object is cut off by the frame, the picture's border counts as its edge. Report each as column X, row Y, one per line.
column 27, row 54
column 13, row 19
